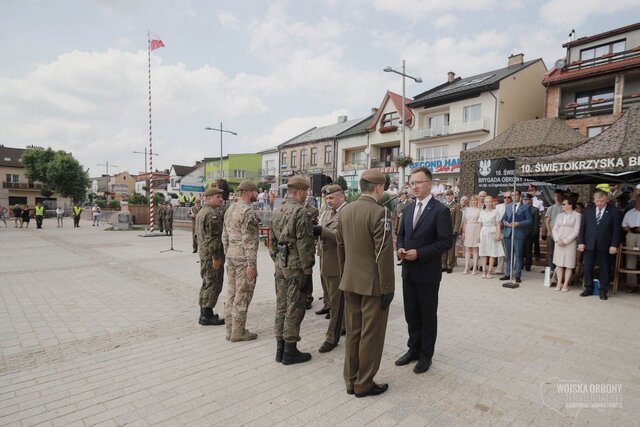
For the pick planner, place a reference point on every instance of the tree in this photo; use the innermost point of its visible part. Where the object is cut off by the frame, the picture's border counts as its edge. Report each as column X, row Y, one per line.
column 342, row 183
column 138, row 199
column 265, row 186
column 387, row 181
column 58, row 170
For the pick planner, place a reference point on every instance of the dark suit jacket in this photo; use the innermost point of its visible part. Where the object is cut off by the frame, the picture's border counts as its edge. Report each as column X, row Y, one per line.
column 432, row 237
column 522, row 217
column 603, row 236
column 532, row 230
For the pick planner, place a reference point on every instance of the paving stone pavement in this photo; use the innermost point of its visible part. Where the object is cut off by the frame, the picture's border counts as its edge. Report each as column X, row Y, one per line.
column 100, row 328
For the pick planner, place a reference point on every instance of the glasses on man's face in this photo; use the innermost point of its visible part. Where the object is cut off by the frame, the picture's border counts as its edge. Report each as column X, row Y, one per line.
column 414, row 183
column 507, row 197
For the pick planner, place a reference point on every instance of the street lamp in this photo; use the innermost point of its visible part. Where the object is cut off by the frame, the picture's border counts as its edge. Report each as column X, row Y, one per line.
column 404, row 74
column 221, row 130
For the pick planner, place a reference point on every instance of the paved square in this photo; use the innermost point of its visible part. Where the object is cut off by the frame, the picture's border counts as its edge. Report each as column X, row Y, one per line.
column 99, row 327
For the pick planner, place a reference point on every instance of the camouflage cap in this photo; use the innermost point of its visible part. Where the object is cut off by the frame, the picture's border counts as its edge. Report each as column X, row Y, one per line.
column 332, row 189
column 374, row 176
column 298, row 182
column 247, row 185
column 212, row 191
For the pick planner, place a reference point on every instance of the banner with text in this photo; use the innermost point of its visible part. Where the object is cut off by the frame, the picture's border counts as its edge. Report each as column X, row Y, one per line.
column 495, row 176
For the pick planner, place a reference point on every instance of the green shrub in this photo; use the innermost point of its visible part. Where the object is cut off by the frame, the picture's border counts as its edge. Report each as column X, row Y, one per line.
column 114, row 204
column 138, row 199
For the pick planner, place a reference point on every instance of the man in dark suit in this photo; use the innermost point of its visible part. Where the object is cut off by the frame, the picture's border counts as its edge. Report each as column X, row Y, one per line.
column 532, row 231
column 516, row 220
column 425, row 234
column 599, row 237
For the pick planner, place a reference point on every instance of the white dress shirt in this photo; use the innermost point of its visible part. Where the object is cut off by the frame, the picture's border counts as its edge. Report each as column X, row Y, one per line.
column 424, row 202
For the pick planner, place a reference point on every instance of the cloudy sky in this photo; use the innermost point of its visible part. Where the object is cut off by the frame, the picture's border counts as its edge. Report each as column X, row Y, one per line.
column 73, row 73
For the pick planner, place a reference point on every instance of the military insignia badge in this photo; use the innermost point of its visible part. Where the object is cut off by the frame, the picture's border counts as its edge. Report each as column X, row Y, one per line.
column 387, row 225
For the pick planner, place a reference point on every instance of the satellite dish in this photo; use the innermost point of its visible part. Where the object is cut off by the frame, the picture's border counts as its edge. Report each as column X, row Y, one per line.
column 560, row 63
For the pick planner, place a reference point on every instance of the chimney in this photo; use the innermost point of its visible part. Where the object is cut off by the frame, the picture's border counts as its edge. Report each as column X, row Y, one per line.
column 374, row 110
column 342, row 119
column 516, row 59
column 451, row 76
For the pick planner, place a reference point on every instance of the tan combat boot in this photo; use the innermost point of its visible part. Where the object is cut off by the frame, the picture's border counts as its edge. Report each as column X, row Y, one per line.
column 246, row 336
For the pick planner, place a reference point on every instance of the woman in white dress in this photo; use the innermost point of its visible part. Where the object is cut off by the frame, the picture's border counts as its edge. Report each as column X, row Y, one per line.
column 470, row 234
column 490, row 237
column 565, row 234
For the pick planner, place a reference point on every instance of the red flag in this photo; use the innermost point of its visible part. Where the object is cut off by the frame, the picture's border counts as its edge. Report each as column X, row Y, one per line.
column 155, row 44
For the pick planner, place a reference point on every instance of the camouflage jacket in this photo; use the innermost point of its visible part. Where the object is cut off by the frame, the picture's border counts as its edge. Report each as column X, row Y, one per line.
column 291, row 226
column 193, row 212
column 240, row 237
column 168, row 213
column 160, row 212
column 209, row 223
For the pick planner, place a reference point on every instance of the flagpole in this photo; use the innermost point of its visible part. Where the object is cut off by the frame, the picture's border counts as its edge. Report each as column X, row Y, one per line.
column 151, row 210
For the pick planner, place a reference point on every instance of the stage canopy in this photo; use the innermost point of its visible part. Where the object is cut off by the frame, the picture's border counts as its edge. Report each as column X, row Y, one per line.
column 612, row 156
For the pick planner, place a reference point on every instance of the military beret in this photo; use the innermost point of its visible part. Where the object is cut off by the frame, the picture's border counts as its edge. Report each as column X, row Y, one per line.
column 332, row 189
column 324, row 188
column 373, row 176
column 212, row 191
column 298, row 182
column 247, row 185
column 449, row 193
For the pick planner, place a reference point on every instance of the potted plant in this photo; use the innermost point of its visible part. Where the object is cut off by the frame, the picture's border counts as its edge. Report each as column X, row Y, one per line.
column 403, row 161
column 387, row 129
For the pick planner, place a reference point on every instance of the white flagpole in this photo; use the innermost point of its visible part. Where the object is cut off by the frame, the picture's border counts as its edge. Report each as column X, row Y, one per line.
column 151, row 210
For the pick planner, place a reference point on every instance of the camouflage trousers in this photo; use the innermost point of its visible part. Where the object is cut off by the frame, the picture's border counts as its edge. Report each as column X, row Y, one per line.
column 290, row 302
column 194, row 238
column 161, row 224
column 168, row 226
column 239, row 295
column 212, row 281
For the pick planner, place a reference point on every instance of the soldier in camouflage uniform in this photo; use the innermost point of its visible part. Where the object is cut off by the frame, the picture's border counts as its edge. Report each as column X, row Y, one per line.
column 293, row 252
column 314, row 215
column 240, row 239
column 193, row 212
column 168, row 219
column 161, row 216
column 209, row 223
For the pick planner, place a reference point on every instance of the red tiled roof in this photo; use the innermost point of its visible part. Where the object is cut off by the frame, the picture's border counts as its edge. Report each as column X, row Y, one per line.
column 557, row 76
column 397, row 102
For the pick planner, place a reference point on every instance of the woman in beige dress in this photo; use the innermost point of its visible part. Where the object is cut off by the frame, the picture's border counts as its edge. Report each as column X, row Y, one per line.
column 490, row 237
column 565, row 234
column 470, row 234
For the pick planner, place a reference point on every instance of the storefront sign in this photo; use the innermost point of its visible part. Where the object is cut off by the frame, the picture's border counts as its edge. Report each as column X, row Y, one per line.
column 286, row 173
column 349, row 173
column 192, row 188
column 581, row 165
column 389, row 169
column 451, row 165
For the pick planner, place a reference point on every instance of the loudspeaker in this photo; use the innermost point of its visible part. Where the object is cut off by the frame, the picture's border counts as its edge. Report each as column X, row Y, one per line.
column 318, row 181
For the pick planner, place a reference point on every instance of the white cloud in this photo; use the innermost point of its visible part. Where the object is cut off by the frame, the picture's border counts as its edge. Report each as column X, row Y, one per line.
column 572, row 13
column 228, row 20
column 446, row 22
column 412, row 10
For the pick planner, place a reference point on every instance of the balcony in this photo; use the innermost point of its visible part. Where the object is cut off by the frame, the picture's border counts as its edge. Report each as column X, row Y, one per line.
column 578, row 111
column 604, row 59
column 380, row 164
column 27, row 186
column 267, row 172
column 451, row 129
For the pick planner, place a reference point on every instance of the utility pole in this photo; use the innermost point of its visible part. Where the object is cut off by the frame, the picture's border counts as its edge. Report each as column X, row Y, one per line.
column 146, row 176
column 221, row 130
column 107, row 166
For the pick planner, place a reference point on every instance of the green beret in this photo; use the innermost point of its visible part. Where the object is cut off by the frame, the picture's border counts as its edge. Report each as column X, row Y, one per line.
column 332, row 189
column 298, row 182
column 247, row 185
column 212, row 191
column 373, row 176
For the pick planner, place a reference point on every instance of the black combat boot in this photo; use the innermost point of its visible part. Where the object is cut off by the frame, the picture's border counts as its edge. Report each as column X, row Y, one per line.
column 207, row 317
column 292, row 355
column 279, row 349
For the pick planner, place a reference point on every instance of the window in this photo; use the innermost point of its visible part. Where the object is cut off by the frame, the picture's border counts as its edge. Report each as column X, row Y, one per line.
column 605, row 49
column 303, row 157
column 358, row 157
column 221, row 174
column 471, row 113
column 294, row 156
column 469, row 145
column 283, row 161
column 328, row 154
column 238, row 173
column 437, row 123
column 390, row 119
column 594, row 102
column 596, row 130
column 314, row 156
column 13, row 178
column 431, row 153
